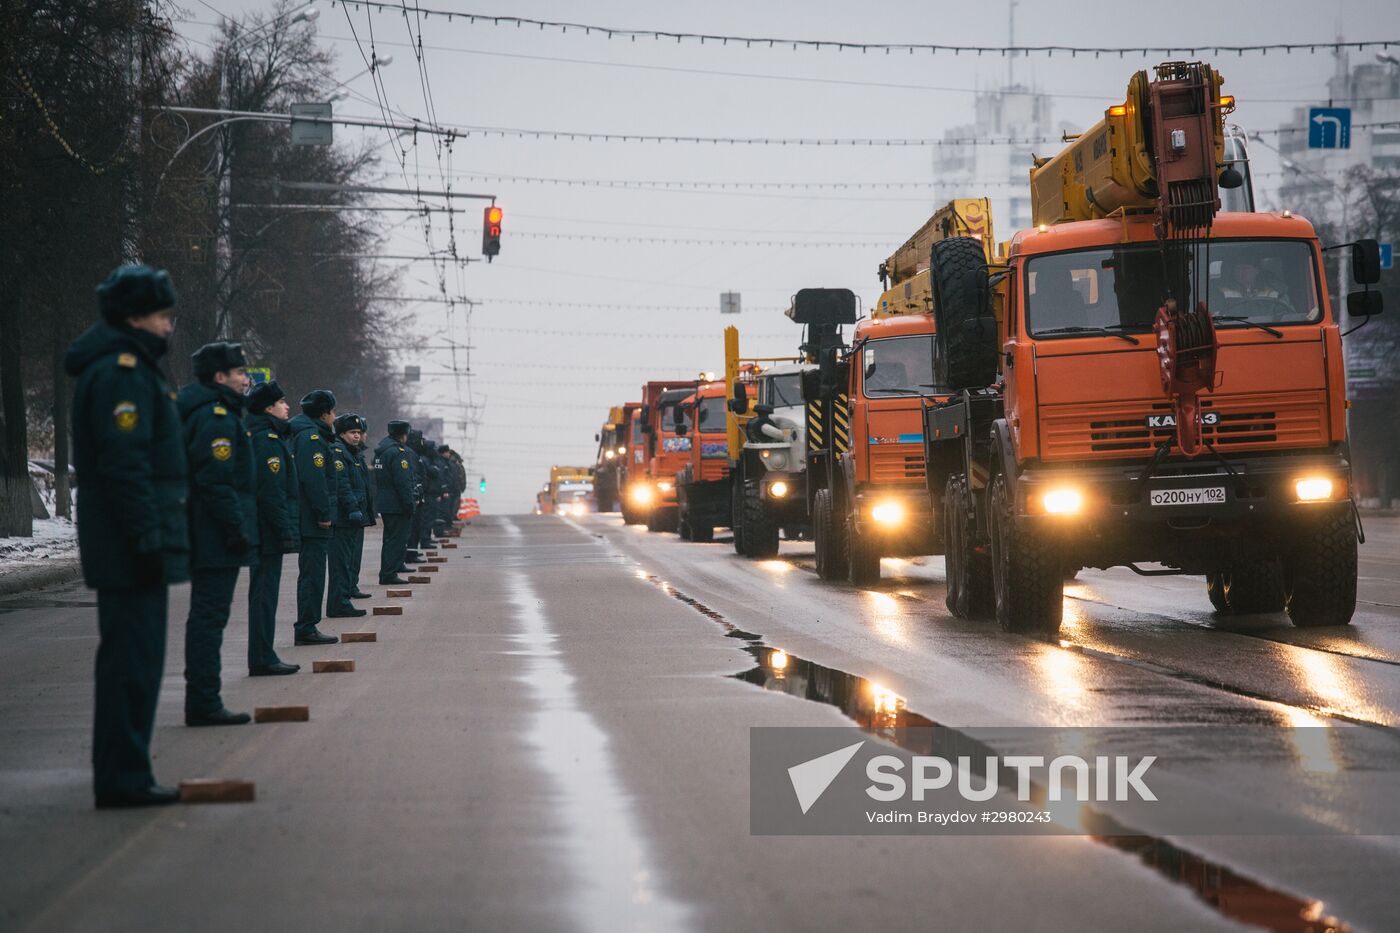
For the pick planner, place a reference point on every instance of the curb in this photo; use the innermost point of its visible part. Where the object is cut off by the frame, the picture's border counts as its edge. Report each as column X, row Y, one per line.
column 49, row 573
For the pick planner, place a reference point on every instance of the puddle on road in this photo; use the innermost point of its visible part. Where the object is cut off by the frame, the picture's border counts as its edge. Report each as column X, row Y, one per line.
column 882, row 712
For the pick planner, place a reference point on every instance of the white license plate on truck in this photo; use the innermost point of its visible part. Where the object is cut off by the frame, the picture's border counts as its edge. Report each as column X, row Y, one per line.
column 1211, row 495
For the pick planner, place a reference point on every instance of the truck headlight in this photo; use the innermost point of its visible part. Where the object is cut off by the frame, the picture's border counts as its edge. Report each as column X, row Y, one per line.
column 778, row 489
column 609, row 454
column 1064, row 501
column 1313, row 488
column 664, row 486
column 642, row 494
column 889, row 513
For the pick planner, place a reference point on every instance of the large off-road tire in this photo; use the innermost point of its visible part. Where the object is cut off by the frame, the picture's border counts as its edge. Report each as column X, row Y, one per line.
column 862, row 556
column 1319, row 574
column 1027, row 573
column 630, row 517
column 702, row 534
column 969, row 570
column 736, row 515
column 966, row 353
column 760, row 530
column 1252, row 586
column 829, row 530
column 683, row 528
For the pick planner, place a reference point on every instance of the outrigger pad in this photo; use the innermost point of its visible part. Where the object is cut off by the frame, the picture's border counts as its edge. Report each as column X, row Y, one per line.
column 824, row 306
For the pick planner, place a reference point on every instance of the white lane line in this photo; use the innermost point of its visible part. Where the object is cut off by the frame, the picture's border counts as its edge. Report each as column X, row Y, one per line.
column 616, row 885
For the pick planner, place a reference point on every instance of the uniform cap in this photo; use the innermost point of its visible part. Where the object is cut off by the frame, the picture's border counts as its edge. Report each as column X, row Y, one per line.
column 217, row 357
column 263, row 395
column 397, row 428
column 317, row 402
column 134, row 291
column 349, row 422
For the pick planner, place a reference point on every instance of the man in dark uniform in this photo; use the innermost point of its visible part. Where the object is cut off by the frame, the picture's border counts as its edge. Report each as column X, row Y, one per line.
column 279, row 531
column 432, row 492
column 223, row 519
column 394, row 497
column 316, row 505
column 349, row 532
column 132, row 536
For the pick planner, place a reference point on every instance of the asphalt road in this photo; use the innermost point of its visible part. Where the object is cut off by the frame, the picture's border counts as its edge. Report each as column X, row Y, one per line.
column 553, row 737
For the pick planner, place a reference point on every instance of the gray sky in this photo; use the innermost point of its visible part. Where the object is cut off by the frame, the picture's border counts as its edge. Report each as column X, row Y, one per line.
column 544, row 392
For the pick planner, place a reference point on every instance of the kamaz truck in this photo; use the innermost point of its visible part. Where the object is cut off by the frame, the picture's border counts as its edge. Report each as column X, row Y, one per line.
column 652, row 493
column 766, row 440
column 702, row 485
column 1143, row 380
column 610, row 464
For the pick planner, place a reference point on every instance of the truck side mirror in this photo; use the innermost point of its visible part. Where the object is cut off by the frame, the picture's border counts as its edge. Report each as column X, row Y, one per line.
column 739, row 405
column 1365, row 264
column 597, row 437
column 1364, row 304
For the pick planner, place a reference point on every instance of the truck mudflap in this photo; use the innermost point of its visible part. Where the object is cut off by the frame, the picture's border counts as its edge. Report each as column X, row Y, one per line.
column 1193, row 515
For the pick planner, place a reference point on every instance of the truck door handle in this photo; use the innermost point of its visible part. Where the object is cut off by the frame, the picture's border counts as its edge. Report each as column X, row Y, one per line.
column 1010, row 359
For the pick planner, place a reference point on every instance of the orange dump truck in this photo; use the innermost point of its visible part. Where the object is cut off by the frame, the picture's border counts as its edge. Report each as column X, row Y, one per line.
column 652, row 492
column 702, row 485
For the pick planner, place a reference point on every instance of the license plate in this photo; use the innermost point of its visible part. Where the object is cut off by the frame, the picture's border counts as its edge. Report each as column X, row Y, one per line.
column 1211, row 495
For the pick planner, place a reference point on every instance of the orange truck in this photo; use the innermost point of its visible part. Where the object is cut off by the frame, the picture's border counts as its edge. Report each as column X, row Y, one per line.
column 633, row 467
column 1143, row 379
column 702, row 485
column 865, row 463
column 652, row 492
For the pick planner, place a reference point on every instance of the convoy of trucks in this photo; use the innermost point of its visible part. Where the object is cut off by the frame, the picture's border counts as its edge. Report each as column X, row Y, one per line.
column 1151, row 376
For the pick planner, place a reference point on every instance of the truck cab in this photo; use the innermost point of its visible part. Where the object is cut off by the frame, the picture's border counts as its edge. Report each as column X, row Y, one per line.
column 666, row 452
column 769, row 473
column 702, row 484
column 632, row 469
column 610, row 464
column 571, row 490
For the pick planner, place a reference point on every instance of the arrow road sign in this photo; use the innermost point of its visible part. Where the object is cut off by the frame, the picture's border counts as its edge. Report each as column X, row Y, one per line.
column 1329, row 128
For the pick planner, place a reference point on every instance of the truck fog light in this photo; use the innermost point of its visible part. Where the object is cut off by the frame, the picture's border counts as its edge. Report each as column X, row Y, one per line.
column 889, row 513
column 664, row 486
column 1068, row 501
column 778, row 489
column 1313, row 488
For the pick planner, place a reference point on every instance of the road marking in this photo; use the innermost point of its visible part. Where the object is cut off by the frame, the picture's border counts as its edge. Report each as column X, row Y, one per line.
column 615, row 884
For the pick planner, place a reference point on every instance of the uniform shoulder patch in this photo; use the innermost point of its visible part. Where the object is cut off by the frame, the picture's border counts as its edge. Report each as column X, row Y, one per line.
column 220, row 410
column 318, row 459
column 274, row 464
column 403, row 464
column 126, row 415
column 222, row 448
column 272, row 434
column 126, row 359
column 339, row 464
column 315, row 437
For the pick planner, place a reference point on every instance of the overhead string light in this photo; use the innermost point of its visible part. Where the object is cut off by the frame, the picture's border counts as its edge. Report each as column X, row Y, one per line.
column 911, row 48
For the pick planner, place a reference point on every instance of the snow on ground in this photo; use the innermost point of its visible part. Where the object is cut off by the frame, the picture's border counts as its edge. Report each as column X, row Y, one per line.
column 54, row 539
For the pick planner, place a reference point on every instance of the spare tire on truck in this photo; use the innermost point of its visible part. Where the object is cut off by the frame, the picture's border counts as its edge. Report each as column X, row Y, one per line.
column 965, row 348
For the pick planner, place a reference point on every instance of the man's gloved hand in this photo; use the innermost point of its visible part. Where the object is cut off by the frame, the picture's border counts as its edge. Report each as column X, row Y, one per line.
column 234, row 540
column 357, row 518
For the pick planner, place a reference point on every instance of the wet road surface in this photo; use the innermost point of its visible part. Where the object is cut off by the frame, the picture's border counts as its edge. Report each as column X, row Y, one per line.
column 554, row 736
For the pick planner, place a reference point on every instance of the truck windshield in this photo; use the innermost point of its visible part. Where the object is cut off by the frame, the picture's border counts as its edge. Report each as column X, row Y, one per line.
column 1119, row 289
column 711, row 414
column 785, row 391
column 637, row 431
column 898, row 365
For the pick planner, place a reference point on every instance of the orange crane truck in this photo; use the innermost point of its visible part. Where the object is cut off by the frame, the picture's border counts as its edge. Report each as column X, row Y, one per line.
column 1141, row 378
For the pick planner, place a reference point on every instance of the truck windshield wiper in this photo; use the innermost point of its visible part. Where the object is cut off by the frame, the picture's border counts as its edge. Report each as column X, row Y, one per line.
column 1244, row 320
column 868, row 390
column 1106, row 331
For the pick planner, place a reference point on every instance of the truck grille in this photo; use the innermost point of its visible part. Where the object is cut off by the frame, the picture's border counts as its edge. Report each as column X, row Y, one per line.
column 896, row 463
column 1244, row 422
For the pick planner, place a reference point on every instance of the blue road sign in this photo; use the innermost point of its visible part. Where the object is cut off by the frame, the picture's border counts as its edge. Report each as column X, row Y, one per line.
column 1387, row 256
column 1329, row 128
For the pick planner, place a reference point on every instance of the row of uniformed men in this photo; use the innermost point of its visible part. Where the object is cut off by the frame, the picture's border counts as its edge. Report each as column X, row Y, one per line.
column 184, row 486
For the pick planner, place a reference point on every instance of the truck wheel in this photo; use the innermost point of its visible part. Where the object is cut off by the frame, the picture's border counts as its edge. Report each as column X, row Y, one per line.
column 1027, row 573
column 736, row 516
column 965, row 334
column 1252, row 586
column 830, row 548
column 760, row 531
column 1319, row 576
column 683, row 529
column 862, row 559
column 628, row 516
column 969, row 572
column 654, row 520
column 701, row 534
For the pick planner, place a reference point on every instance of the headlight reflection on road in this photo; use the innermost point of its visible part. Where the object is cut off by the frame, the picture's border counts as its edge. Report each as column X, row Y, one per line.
column 888, row 616
column 775, row 566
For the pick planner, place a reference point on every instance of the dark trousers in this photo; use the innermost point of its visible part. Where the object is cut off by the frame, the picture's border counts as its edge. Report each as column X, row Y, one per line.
column 130, row 661
column 344, row 567
column 311, row 582
column 211, row 597
column 396, row 528
column 263, row 584
column 415, row 534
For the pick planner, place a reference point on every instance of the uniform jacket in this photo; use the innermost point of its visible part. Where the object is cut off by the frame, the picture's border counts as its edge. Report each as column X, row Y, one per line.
column 130, row 460
column 371, row 483
column 350, row 483
column 223, row 484
column 394, row 478
column 316, row 478
column 279, row 530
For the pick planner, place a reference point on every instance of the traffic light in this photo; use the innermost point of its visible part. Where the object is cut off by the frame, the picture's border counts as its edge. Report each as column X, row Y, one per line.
column 481, row 485
column 491, row 231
